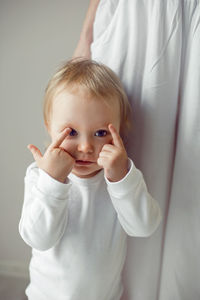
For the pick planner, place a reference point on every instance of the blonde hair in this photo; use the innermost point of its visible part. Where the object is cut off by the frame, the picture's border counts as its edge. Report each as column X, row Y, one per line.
column 98, row 79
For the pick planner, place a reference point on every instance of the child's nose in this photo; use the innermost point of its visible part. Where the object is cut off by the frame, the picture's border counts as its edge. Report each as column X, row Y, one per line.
column 85, row 146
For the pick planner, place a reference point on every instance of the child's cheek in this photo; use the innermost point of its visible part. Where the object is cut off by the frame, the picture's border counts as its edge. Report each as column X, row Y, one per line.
column 68, row 146
column 107, row 140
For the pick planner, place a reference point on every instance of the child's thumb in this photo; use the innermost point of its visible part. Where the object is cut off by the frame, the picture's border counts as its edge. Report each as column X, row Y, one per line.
column 35, row 152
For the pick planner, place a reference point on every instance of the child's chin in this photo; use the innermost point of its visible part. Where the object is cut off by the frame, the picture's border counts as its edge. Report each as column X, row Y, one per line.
column 84, row 173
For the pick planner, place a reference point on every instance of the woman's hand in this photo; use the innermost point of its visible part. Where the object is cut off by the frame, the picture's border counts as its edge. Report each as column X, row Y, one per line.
column 113, row 157
column 56, row 161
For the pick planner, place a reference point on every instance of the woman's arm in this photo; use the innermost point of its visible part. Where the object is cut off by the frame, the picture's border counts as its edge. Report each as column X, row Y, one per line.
column 86, row 36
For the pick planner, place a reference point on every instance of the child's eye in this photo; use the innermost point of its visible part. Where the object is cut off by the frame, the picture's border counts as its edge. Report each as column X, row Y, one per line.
column 73, row 132
column 101, row 133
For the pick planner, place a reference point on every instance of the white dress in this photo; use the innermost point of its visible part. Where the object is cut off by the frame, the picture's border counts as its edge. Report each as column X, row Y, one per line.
column 154, row 47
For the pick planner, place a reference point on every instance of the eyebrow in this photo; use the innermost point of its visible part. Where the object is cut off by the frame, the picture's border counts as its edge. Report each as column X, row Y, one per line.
column 65, row 125
column 99, row 126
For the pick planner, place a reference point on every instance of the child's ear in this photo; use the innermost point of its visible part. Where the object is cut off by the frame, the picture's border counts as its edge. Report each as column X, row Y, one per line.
column 47, row 126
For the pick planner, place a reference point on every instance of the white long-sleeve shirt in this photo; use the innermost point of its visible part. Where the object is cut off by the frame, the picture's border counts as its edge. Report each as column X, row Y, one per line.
column 78, row 232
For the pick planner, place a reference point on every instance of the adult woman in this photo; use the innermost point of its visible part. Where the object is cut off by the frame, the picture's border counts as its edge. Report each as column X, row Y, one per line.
column 152, row 45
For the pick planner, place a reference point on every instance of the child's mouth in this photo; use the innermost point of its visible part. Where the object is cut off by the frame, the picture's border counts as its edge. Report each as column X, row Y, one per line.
column 83, row 162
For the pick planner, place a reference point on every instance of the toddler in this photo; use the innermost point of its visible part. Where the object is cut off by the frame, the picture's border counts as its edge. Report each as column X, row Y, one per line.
column 83, row 196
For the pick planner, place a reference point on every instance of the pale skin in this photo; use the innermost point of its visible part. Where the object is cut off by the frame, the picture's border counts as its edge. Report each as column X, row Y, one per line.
column 83, row 142
column 86, row 36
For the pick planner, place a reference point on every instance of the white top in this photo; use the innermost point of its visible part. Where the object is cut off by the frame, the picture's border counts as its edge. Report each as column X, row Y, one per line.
column 78, row 232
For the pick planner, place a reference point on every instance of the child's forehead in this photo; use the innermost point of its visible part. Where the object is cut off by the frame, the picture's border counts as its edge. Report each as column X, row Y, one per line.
column 85, row 93
column 78, row 102
column 78, row 89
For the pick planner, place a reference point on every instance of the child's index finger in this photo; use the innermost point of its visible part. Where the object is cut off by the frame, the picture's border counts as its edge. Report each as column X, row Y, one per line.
column 117, row 141
column 58, row 141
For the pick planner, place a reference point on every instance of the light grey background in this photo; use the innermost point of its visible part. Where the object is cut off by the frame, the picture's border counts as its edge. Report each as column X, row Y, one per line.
column 36, row 37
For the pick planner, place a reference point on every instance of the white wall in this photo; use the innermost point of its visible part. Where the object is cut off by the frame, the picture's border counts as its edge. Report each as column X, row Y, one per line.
column 35, row 38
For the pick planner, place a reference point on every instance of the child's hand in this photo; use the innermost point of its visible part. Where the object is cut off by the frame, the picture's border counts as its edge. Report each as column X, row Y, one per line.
column 113, row 157
column 56, row 162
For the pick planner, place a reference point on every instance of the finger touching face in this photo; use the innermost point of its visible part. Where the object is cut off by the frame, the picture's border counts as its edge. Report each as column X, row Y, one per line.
column 116, row 139
column 58, row 140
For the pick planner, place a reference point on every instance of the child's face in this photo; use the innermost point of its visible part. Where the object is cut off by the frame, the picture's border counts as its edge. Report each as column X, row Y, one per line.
column 89, row 119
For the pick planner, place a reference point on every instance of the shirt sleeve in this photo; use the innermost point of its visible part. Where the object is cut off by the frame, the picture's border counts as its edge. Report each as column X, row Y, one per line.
column 44, row 213
column 138, row 213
